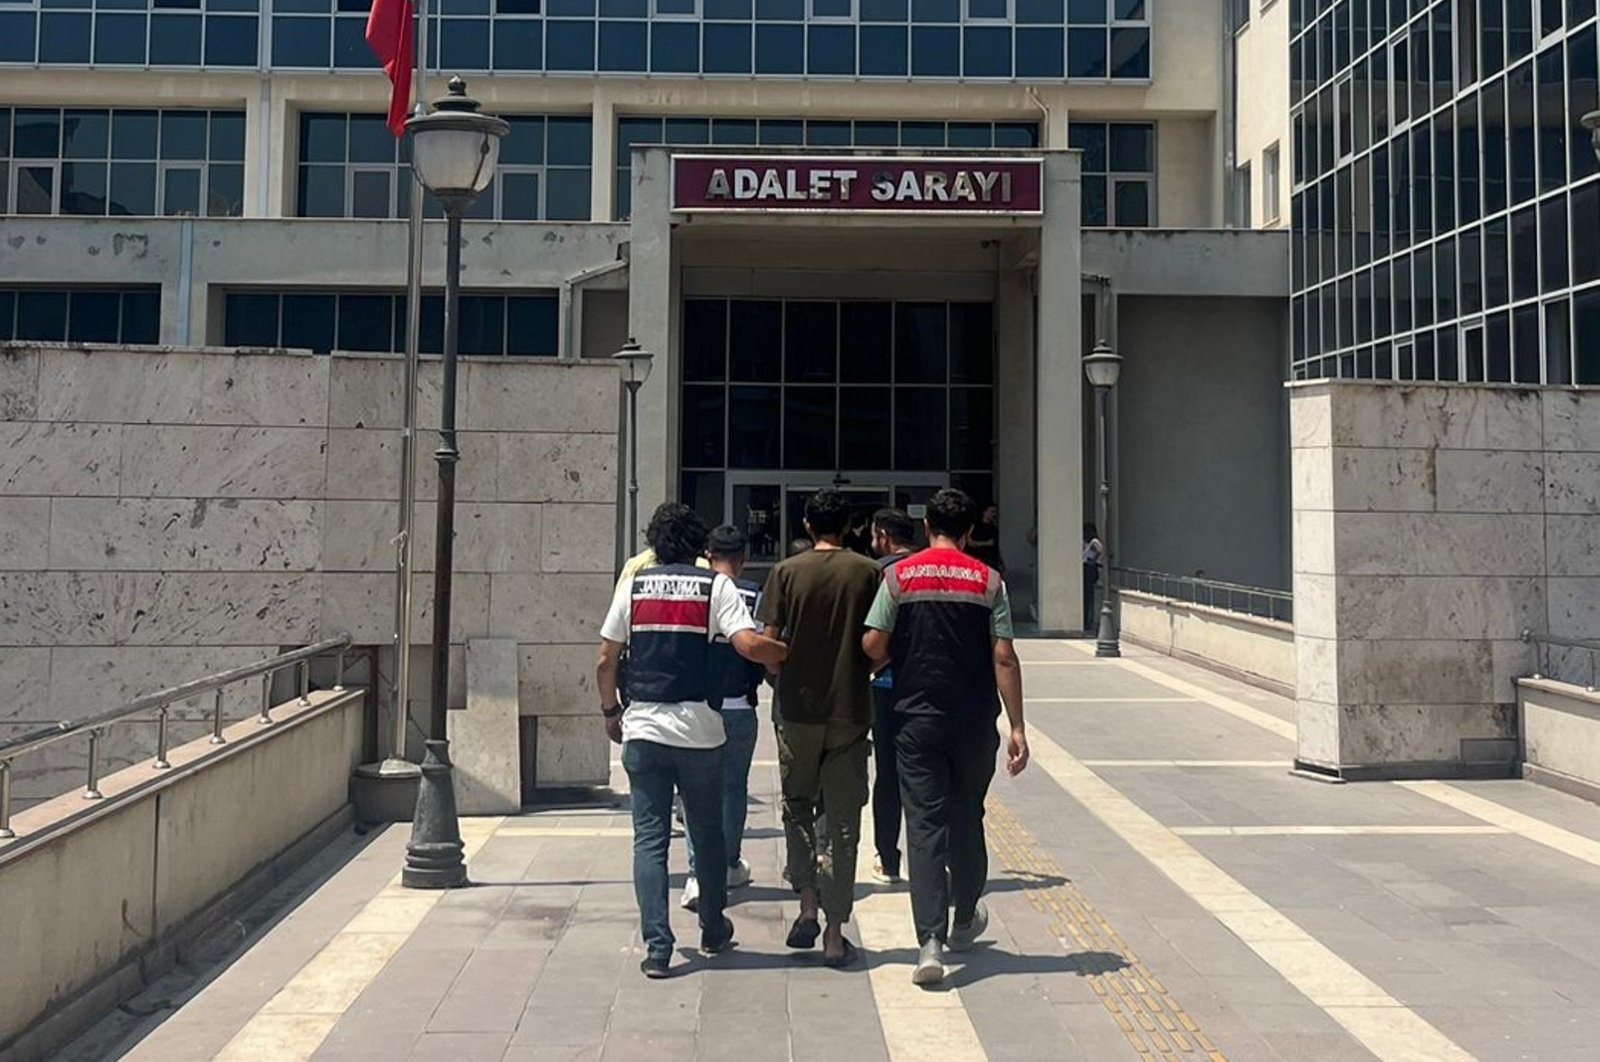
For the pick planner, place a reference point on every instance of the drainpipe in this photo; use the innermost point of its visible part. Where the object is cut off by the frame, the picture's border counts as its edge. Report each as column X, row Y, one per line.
column 1230, row 121
column 565, row 322
column 1044, row 109
column 185, row 323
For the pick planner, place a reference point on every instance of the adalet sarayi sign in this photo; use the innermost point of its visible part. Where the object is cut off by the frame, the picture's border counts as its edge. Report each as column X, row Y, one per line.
column 848, row 183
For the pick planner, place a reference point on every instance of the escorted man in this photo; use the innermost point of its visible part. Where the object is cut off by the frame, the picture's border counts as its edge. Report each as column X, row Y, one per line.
column 893, row 540
column 820, row 599
column 671, row 735
column 943, row 619
column 736, row 684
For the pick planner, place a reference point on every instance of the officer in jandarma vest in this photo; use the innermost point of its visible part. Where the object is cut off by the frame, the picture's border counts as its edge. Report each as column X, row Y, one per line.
column 670, row 619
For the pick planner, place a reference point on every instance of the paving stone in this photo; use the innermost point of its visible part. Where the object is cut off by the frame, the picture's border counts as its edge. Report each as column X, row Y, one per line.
column 460, row 1047
column 570, row 1026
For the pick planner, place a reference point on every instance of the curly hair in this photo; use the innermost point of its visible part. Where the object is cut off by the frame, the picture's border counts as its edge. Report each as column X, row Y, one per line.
column 951, row 512
column 676, row 533
column 828, row 512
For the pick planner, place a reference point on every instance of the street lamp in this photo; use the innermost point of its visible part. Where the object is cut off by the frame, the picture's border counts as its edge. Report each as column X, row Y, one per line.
column 1591, row 122
column 1102, row 366
column 454, row 150
column 635, row 362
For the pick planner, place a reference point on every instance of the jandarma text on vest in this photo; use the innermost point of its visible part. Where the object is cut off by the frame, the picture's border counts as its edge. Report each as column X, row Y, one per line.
column 908, row 572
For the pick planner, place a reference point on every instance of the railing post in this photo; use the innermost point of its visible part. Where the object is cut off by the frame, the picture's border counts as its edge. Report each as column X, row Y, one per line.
column 6, row 832
column 265, row 718
column 216, row 718
column 305, row 682
column 161, row 741
column 92, row 790
column 338, row 672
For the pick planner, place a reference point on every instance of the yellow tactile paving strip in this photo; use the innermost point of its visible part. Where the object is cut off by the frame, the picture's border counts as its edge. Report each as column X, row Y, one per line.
column 1155, row 1024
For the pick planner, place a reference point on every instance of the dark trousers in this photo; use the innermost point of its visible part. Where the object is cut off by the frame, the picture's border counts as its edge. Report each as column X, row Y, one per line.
column 886, row 781
column 945, row 769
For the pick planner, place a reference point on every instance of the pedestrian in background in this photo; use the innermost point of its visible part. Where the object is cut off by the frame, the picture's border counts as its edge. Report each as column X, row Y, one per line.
column 821, row 599
column 943, row 620
column 736, row 683
column 667, row 617
column 984, row 541
column 893, row 538
column 1094, row 552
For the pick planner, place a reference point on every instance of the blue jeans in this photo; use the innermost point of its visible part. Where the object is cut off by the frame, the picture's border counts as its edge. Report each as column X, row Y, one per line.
column 654, row 771
column 737, row 752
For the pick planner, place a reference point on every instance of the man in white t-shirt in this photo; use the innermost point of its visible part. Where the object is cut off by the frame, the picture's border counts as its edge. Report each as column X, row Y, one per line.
column 671, row 733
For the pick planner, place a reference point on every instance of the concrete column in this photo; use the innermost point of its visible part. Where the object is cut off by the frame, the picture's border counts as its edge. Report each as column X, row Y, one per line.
column 258, row 149
column 652, row 299
column 1014, row 451
column 603, row 159
column 282, row 135
column 1059, row 400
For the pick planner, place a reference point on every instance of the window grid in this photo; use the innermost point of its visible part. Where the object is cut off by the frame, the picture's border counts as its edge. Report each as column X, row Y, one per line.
column 81, row 315
column 544, row 172
column 727, row 387
column 787, row 134
column 1271, row 183
column 1119, row 172
column 121, row 161
column 1444, row 244
column 373, row 320
column 185, row 33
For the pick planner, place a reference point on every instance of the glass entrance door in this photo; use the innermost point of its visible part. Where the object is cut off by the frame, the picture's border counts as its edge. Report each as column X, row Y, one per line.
column 770, row 507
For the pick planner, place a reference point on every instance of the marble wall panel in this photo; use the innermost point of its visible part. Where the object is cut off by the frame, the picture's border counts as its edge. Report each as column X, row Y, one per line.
column 359, row 536
column 1571, row 420
column 24, row 533
column 1314, row 541
column 269, row 390
column 118, row 387
column 19, row 382
column 1511, row 660
column 1416, row 672
column 1572, row 544
column 1572, row 482
column 1311, row 474
column 369, row 392
column 362, row 603
column 571, row 750
column 1310, row 416
column 552, row 609
column 1317, row 668
column 158, row 608
column 558, row 468
column 579, row 538
column 59, row 459
column 1492, row 544
column 24, row 686
column 1425, row 416
column 1419, row 733
column 1317, row 739
column 1574, row 607
column 494, row 537
column 557, row 679
column 1316, row 601
column 184, row 534
column 1490, row 481
column 579, row 397
column 365, row 464
column 86, row 680
column 220, row 462
column 1382, row 480
column 1438, row 608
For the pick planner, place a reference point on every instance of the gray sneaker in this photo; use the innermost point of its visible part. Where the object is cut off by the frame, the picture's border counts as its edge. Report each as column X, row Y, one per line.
column 930, row 965
column 962, row 938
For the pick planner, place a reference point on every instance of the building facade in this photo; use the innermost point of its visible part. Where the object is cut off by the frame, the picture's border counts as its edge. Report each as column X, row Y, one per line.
column 219, row 173
column 1445, row 194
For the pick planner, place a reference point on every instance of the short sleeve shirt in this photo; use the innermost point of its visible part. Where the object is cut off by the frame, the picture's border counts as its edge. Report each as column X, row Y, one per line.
column 682, row 724
column 820, row 599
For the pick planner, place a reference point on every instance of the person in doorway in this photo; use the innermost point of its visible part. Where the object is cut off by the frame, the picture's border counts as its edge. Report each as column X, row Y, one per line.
column 984, row 542
column 736, row 683
column 1094, row 552
column 821, row 599
column 943, row 620
column 667, row 617
column 893, row 537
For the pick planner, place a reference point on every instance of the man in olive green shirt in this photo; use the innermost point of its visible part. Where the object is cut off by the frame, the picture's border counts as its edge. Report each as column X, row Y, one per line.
column 818, row 601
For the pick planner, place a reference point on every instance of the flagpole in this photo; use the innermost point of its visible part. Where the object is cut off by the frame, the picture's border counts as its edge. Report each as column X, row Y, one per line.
column 403, row 540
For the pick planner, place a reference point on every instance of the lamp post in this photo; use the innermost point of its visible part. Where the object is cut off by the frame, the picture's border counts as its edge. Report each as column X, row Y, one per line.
column 454, row 150
column 635, row 362
column 1102, row 366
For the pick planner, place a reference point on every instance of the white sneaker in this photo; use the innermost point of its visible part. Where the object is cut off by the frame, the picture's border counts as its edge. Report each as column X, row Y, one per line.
column 691, row 894
column 883, row 878
column 930, row 965
column 739, row 875
column 962, row 938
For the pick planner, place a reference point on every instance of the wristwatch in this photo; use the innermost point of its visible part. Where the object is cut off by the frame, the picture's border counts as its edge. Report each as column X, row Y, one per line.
column 612, row 712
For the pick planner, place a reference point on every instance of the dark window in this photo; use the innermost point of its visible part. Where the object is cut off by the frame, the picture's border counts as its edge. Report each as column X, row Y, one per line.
column 866, row 338
column 809, row 416
column 919, row 428
column 921, row 342
column 756, row 340
column 754, row 414
column 1525, row 254
column 811, row 342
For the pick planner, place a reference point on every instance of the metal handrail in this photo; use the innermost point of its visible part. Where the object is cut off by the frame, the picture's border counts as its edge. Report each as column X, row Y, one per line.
column 160, row 702
column 1257, row 601
column 1544, row 641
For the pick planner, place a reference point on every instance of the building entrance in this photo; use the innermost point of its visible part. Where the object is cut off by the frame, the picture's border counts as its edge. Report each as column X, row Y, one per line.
column 770, row 507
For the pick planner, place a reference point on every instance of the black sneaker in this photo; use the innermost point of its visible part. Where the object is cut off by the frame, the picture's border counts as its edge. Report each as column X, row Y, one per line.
column 715, row 944
column 655, row 968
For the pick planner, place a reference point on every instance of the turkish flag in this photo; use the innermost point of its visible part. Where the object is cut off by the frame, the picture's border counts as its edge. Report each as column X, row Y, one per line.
column 391, row 37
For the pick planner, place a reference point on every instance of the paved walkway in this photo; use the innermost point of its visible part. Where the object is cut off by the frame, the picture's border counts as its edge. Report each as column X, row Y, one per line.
column 1162, row 889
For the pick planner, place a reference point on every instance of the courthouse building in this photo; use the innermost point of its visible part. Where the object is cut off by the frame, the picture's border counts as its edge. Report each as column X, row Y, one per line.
column 868, row 241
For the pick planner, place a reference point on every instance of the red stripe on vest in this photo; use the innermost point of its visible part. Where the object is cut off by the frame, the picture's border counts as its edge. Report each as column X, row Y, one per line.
column 942, row 573
column 651, row 612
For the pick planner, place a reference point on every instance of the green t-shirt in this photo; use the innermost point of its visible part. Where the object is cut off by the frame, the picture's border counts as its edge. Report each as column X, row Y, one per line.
column 819, row 601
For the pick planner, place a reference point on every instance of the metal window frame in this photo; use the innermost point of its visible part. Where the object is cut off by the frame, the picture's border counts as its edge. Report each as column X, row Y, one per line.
column 165, row 167
column 1272, row 182
column 54, row 166
column 672, row 16
column 389, row 170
